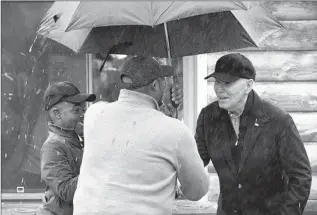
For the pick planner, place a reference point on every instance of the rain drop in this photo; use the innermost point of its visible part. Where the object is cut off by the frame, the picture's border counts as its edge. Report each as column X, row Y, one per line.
column 5, row 155
column 57, row 153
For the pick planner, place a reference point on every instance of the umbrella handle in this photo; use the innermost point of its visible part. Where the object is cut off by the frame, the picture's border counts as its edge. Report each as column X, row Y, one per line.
column 169, row 62
column 168, row 48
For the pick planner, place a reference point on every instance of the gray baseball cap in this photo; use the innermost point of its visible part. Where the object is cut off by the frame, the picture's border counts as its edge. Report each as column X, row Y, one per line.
column 65, row 91
column 144, row 70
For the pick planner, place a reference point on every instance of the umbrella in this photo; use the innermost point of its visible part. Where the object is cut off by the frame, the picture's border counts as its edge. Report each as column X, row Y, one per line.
column 160, row 29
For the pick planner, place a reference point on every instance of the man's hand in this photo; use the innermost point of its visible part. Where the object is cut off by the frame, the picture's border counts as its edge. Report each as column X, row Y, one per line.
column 177, row 95
column 172, row 94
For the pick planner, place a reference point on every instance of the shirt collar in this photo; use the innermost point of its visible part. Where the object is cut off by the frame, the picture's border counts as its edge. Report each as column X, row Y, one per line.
column 247, row 107
column 138, row 99
column 62, row 131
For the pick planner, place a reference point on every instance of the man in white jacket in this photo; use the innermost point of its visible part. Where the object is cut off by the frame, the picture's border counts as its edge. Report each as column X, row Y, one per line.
column 134, row 153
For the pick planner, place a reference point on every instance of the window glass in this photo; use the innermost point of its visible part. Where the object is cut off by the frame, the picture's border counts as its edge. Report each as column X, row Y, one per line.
column 24, row 77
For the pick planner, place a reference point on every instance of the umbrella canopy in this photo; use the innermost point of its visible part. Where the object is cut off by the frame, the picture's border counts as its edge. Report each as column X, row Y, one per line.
column 160, row 29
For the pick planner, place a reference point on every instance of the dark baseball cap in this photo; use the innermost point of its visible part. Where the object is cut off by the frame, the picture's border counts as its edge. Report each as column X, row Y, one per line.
column 144, row 70
column 231, row 67
column 65, row 91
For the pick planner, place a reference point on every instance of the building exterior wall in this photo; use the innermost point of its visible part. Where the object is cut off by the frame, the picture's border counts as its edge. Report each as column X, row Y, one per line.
column 286, row 75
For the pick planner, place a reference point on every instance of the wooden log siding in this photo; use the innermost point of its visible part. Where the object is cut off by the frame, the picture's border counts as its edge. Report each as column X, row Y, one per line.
column 297, row 35
column 293, row 97
column 292, row 10
column 277, row 66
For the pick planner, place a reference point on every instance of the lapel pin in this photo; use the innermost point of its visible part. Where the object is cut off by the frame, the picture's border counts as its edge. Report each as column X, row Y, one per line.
column 256, row 123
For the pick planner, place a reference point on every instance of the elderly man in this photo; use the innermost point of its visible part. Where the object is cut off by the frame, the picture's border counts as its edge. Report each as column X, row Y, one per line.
column 134, row 153
column 254, row 146
column 62, row 152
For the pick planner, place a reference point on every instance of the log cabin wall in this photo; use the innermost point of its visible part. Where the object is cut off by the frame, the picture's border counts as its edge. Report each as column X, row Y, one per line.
column 286, row 65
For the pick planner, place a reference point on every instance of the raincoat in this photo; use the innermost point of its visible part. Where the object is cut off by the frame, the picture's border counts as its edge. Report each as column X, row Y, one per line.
column 271, row 174
column 61, row 157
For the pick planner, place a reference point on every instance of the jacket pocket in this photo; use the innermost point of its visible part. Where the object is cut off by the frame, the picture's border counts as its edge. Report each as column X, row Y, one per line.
column 274, row 204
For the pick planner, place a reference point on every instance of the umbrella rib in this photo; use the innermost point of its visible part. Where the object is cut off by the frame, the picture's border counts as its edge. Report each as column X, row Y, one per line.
column 71, row 23
column 167, row 41
column 241, row 4
column 163, row 12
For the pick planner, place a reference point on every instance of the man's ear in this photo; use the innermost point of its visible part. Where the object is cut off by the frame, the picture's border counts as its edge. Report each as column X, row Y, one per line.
column 126, row 79
column 250, row 85
column 56, row 112
column 155, row 84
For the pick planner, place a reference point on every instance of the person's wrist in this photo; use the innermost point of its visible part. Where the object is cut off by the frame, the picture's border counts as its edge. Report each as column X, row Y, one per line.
column 166, row 110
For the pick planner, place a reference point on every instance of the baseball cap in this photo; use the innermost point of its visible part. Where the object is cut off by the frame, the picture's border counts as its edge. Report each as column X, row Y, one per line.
column 144, row 70
column 65, row 91
column 233, row 66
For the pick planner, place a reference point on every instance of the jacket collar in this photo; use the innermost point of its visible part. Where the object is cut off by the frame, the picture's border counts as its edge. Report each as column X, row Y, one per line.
column 257, row 109
column 70, row 135
column 254, row 113
column 253, row 107
column 138, row 99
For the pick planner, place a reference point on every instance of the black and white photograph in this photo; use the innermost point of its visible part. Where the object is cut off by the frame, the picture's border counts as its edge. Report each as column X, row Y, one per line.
column 158, row 107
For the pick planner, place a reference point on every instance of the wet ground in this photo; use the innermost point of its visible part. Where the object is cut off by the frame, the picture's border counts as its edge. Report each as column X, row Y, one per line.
column 181, row 207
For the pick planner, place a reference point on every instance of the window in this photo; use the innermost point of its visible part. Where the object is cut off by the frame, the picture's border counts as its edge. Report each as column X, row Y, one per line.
column 107, row 84
column 25, row 76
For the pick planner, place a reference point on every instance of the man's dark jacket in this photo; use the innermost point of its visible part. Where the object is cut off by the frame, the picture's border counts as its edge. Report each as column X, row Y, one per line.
column 61, row 157
column 272, row 175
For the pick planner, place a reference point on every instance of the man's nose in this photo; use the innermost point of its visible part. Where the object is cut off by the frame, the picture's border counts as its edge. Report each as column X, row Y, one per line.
column 82, row 115
column 218, row 87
